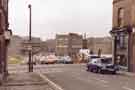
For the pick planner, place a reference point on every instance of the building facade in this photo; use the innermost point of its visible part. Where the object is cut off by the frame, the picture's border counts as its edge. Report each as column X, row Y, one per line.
column 68, row 44
column 102, row 43
column 123, row 33
column 62, row 42
column 3, row 42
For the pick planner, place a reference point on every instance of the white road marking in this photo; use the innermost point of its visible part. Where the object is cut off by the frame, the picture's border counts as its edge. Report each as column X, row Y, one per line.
column 104, row 85
column 127, row 88
column 101, row 80
column 104, row 81
column 57, row 87
column 50, row 70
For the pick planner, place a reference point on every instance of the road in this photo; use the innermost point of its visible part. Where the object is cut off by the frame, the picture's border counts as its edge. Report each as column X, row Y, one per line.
column 75, row 77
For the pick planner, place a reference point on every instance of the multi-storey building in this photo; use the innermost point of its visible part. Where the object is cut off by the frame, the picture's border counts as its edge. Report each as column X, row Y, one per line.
column 68, row 44
column 123, row 33
column 75, row 44
column 62, row 42
column 3, row 39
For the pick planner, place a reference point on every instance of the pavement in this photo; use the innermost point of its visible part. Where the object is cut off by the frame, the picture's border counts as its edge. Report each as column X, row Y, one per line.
column 25, row 81
column 130, row 74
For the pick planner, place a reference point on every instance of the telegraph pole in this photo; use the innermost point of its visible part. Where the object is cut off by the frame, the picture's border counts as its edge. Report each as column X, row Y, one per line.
column 30, row 51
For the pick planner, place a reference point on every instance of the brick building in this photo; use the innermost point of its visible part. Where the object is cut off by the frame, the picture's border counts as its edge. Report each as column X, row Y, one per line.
column 68, row 44
column 3, row 41
column 123, row 33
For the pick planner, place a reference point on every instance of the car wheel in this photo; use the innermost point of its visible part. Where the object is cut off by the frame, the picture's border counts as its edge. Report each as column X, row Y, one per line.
column 91, row 70
column 95, row 70
column 87, row 69
column 114, row 72
column 101, row 71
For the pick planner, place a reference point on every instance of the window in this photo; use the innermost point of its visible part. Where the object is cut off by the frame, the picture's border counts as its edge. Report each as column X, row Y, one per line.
column 106, row 60
column 121, row 17
column 121, row 41
column 0, row 22
column 1, row 3
column 5, row 4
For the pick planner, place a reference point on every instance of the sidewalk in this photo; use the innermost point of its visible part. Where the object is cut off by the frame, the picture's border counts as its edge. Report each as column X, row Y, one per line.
column 130, row 74
column 25, row 81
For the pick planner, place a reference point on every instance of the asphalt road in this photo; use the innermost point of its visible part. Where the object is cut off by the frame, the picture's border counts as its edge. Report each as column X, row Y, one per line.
column 75, row 77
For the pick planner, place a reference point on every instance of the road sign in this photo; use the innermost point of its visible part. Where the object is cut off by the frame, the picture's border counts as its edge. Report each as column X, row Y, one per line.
column 29, row 48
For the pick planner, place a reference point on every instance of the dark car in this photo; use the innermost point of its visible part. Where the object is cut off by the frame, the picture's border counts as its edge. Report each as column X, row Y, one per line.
column 102, row 65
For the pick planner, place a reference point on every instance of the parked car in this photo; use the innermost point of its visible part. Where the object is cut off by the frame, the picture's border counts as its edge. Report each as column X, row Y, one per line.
column 60, row 60
column 68, row 60
column 43, row 60
column 93, row 57
column 102, row 65
column 65, row 60
column 51, row 59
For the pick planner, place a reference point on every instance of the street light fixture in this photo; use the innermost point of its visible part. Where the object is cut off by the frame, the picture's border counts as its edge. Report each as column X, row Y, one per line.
column 8, row 34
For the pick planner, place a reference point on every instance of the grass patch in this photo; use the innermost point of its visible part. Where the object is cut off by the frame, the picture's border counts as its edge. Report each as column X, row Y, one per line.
column 14, row 60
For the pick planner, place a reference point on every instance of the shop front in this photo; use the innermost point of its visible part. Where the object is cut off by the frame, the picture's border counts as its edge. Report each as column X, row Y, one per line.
column 122, row 47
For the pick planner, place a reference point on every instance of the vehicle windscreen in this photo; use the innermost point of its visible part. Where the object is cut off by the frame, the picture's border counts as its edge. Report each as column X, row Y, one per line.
column 106, row 61
column 94, row 57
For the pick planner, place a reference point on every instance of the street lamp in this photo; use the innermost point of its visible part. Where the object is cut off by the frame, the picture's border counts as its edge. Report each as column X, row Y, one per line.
column 8, row 34
column 30, row 51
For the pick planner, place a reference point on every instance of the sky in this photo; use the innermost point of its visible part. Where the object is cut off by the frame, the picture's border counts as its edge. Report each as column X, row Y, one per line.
column 49, row 17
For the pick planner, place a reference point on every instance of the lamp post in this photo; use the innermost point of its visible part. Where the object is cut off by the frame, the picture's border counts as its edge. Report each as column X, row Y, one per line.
column 30, row 51
column 7, row 36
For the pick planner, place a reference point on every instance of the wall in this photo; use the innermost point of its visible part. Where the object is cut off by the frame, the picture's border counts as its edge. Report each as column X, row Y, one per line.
column 103, row 43
column 127, row 5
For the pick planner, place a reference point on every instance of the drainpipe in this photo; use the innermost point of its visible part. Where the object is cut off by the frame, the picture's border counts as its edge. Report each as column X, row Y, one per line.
column 130, row 50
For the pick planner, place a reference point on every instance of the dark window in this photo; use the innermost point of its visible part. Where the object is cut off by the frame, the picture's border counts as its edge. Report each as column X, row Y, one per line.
column 120, row 17
column 106, row 60
column 122, row 41
column 1, row 23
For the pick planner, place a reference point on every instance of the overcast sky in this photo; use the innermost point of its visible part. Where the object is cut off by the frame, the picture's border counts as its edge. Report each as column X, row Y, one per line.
column 61, row 16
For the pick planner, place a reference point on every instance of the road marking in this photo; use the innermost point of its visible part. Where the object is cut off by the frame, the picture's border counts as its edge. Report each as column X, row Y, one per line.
column 105, row 85
column 55, row 86
column 101, row 80
column 127, row 88
column 104, row 81
column 51, row 70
